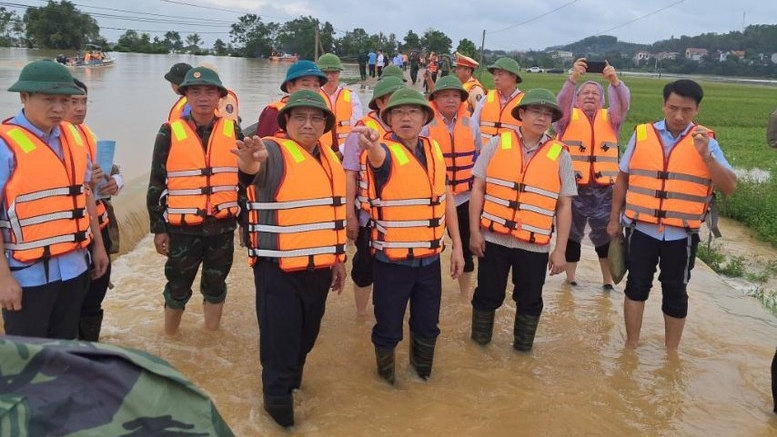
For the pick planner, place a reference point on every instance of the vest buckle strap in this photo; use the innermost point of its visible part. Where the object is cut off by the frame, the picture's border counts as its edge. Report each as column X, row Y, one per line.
column 660, row 214
column 662, row 175
column 661, row 194
column 74, row 190
column 339, row 225
column 497, row 124
column 435, row 222
column 517, row 186
column 81, row 236
column 435, row 244
column 510, row 224
column 79, row 213
column 338, row 201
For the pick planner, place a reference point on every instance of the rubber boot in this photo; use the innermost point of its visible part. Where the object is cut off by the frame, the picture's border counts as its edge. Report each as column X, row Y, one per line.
column 89, row 327
column 482, row 326
column 172, row 320
column 523, row 332
column 385, row 361
column 774, row 381
column 212, row 313
column 281, row 409
column 422, row 355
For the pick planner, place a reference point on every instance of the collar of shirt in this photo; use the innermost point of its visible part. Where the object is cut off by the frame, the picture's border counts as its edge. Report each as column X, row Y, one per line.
column 21, row 120
column 419, row 149
column 665, row 134
column 504, row 99
column 526, row 151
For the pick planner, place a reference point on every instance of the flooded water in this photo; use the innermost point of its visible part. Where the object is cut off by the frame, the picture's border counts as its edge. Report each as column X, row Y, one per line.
column 578, row 380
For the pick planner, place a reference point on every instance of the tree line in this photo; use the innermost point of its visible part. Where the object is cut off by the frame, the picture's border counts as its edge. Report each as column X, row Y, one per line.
column 62, row 26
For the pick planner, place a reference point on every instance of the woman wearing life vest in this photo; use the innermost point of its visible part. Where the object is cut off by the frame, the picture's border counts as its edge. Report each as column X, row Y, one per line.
column 591, row 134
column 192, row 200
column 357, row 211
column 410, row 207
column 47, row 222
column 662, row 193
column 296, row 209
column 523, row 184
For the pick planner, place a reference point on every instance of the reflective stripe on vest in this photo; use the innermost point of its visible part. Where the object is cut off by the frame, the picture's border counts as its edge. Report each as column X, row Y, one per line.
column 409, row 211
column 176, row 112
column 201, row 183
column 91, row 142
column 458, row 148
column 373, row 122
column 45, row 216
column 593, row 147
column 675, row 190
column 301, row 222
column 521, row 197
column 494, row 119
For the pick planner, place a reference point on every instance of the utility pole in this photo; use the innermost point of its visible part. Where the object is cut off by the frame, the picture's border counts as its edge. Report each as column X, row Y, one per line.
column 482, row 45
column 315, row 50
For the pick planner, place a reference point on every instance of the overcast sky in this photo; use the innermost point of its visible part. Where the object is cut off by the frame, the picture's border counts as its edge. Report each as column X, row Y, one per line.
column 509, row 24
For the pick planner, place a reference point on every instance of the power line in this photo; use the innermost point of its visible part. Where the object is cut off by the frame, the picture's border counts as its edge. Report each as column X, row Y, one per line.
column 535, row 18
column 212, row 8
column 641, row 17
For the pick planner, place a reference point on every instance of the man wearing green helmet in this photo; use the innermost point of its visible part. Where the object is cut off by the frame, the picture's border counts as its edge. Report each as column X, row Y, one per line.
column 296, row 215
column 47, row 222
column 344, row 103
column 410, row 210
column 493, row 113
column 357, row 212
column 302, row 75
column 522, row 194
column 452, row 129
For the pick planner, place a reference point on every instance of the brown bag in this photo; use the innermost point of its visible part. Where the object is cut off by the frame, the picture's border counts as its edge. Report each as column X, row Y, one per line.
column 616, row 258
column 113, row 227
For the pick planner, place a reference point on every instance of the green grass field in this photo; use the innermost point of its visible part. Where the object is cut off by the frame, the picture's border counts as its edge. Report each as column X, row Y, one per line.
column 738, row 115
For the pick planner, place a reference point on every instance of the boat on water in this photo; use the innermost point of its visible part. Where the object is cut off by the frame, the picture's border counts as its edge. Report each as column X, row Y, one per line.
column 283, row 57
column 91, row 56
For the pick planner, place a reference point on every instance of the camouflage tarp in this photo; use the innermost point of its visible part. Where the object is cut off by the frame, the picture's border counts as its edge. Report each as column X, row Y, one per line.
column 71, row 388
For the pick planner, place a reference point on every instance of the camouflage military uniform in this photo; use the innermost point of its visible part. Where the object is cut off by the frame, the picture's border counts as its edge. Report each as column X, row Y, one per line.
column 210, row 243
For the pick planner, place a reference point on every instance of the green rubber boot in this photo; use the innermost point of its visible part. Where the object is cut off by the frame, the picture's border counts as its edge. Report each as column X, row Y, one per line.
column 385, row 361
column 422, row 355
column 523, row 332
column 482, row 326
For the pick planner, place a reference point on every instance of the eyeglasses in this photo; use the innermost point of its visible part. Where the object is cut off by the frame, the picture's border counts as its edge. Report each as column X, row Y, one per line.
column 540, row 112
column 314, row 119
column 409, row 112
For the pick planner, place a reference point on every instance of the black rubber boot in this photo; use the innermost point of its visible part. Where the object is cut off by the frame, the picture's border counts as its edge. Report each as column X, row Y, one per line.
column 774, row 381
column 523, row 332
column 482, row 326
column 297, row 382
column 89, row 327
column 281, row 409
column 422, row 355
column 385, row 361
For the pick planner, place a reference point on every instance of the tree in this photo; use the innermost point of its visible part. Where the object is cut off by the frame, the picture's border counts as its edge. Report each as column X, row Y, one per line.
column 173, row 41
column 436, row 41
column 131, row 41
column 253, row 37
column 193, row 43
column 299, row 36
column 412, row 41
column 59, row 26
column 220, row 48
column 467, row 47
column 354, row 43
column 8, row 20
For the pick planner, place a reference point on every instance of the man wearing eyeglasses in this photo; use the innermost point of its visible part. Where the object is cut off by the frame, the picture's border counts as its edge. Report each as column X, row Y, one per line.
column 410, row 205
column 522, row 193
column 296, row 229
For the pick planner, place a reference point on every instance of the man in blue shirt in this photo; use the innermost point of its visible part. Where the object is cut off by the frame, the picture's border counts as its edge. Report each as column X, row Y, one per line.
column 664, row 187
column 371, row 58
column 44, row 274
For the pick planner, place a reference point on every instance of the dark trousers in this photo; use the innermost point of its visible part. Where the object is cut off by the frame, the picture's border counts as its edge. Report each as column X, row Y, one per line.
column 185, row 255
column 462, row 213
column 363, row 70
column 372, row 70
column 379, row 68
column 394, row 286
column 93, row 301
column 361, row 270
column 289, row 308
column 49, row 311
column 528, row 277
column 674, row 258
column 414, row 74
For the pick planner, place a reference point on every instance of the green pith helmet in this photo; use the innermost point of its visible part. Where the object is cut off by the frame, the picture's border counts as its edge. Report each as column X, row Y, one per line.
column 507, row 64
column 407, row 96
column 383, row 88
column 539, row 97
column 329, row 62
column 301, row 69
column 393, row 71
column 46, row 77
column 177, row 72
column 449, row 82
column 306, row 99
column 201, row 76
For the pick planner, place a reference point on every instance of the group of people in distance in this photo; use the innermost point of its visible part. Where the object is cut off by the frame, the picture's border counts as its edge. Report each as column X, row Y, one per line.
column 473, row 168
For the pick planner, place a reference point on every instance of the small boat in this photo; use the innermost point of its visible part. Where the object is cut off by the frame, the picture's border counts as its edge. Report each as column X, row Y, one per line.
column 283, row 57
column 91, row 56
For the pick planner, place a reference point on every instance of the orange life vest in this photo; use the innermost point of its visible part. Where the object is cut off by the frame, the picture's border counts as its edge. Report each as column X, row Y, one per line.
column 201, row 183
column 91, row 142
column 521, row 197
column 229, row 107
column 302, row 221
column 408, row 215
column 458, row 148
column 468, row 85
column 593, row 147
column 372, row 121
column 176, row 112
column 46, row 214
column 494, row 119
column 433, row 64
column 674, row 190
column 343, row 111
